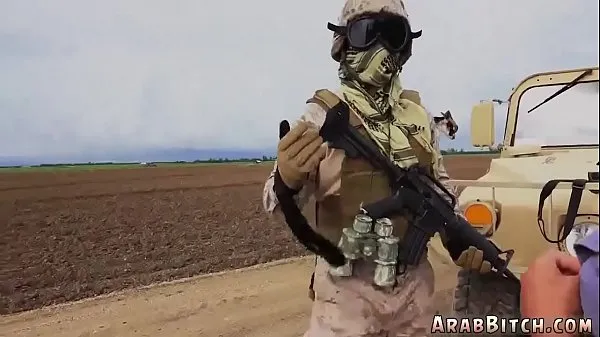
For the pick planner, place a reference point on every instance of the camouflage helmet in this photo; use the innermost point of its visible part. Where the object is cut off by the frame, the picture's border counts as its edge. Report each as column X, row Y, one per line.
column 356, row 8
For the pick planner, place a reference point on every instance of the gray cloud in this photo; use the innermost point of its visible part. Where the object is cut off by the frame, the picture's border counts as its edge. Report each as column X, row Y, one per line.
column 79, row 77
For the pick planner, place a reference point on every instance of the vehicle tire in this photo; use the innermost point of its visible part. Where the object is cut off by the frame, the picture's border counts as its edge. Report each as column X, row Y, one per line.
column 478, row 295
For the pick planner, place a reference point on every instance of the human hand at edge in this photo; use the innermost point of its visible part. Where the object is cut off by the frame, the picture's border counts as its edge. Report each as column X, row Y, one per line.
column 550, row 287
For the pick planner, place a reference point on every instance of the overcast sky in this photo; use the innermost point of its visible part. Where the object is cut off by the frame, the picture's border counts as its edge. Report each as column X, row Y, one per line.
column 82, row 76
column 569, row 118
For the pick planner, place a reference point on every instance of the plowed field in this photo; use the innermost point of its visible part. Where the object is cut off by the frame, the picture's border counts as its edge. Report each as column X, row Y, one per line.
column 70, row 235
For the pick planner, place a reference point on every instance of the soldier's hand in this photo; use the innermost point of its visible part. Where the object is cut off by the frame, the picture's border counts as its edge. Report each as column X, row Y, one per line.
column 472, row 259
column 298, row 153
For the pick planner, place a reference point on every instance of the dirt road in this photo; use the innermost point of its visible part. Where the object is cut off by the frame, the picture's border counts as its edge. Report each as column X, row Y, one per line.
column 265, row 300
column 74, row 235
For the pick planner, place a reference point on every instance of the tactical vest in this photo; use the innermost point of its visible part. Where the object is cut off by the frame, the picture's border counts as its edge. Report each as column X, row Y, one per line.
column 361, row 182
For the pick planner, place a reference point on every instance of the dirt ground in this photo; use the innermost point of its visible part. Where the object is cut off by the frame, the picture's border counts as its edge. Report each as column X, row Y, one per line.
column 67, row 236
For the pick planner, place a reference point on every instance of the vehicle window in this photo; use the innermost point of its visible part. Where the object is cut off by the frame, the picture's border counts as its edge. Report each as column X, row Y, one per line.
column 570, row 118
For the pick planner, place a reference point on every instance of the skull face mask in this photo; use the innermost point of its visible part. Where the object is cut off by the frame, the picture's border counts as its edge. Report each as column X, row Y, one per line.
column 374, row 67
column 374, row 47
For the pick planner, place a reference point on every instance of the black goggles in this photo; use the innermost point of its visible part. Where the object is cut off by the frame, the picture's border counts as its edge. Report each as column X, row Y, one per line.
column 392, row 32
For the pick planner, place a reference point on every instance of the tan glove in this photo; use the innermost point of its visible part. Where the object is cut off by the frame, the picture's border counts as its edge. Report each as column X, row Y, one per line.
column 298, row 153
column 472, row 259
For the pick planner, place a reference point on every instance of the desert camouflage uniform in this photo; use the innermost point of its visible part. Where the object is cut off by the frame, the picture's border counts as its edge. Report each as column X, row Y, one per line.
column 352, row 306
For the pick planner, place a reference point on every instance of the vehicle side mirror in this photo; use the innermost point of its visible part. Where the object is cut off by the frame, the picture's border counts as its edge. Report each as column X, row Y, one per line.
column 482, row 125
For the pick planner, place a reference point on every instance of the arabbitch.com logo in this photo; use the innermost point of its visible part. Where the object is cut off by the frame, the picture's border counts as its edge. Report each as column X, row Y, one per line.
column 490, row 324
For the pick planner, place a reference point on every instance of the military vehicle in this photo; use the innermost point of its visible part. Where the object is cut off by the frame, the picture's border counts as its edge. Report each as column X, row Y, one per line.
column 551, row 132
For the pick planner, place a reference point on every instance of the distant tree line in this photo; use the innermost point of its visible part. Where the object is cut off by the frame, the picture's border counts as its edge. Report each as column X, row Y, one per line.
column 240, row 160
column 450, row 151
column 87, row 164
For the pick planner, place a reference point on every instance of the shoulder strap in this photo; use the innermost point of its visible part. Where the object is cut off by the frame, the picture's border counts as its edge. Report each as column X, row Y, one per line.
column 576, row 192
column 412, row 95
column 424, row 156
column 327, row 100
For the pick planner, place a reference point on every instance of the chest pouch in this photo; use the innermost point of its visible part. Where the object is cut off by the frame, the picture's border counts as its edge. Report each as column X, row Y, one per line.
column 367, row 238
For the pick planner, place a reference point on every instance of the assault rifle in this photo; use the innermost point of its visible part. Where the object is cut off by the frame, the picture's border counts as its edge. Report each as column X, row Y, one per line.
column 413, row 193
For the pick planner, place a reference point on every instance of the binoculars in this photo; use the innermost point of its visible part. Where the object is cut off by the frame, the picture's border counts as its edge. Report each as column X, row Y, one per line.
column 370, row 240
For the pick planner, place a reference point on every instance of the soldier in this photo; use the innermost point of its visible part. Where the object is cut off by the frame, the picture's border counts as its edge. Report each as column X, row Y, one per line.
column 371, row 44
